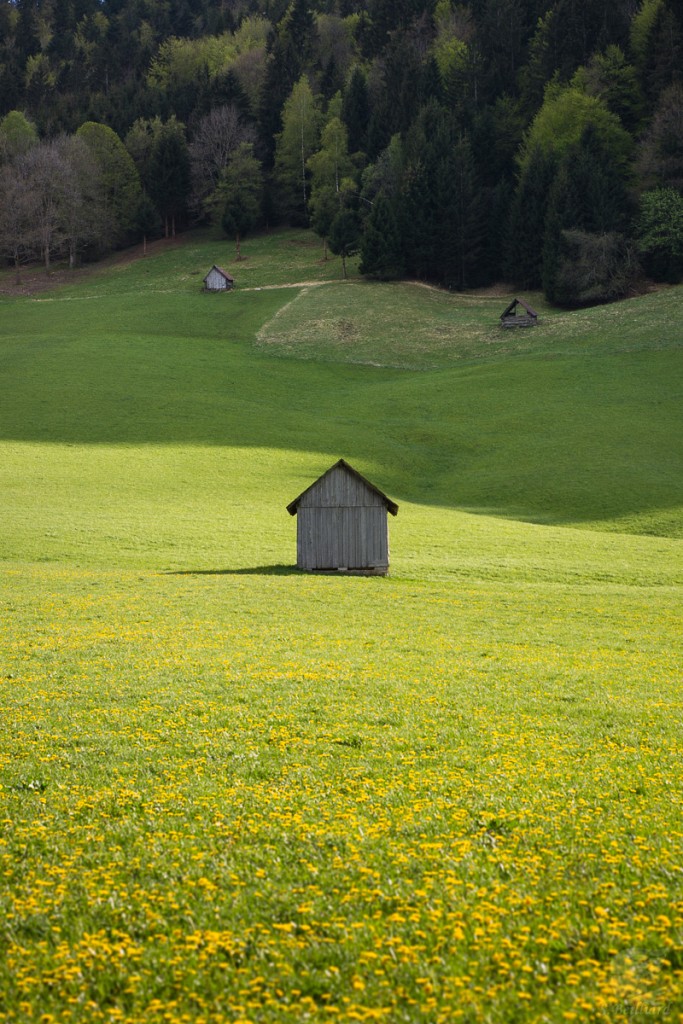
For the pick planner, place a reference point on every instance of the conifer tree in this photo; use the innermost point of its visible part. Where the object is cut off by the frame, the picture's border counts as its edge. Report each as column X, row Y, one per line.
column 382, row 246
column 588, row 200
column 355, row 111
column 526, row 227
column 289, row 53
column 170, row 181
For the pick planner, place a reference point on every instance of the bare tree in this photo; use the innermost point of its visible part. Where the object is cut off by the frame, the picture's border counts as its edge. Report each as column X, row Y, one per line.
column 52, row 202
column 660, row 161
column 219, row 134
column 81, row 215
column 46, row 174
column 16, row 218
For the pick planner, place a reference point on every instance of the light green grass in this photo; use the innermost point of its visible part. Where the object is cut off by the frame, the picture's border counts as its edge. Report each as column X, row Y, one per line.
column 231, row 792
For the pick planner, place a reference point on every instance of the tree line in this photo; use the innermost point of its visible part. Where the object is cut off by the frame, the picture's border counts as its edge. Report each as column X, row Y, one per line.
column 461, row 143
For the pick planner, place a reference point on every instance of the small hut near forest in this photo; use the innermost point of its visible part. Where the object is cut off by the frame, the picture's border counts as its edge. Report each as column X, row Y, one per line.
column 519, row 314
column 218, row 280
column 342, row 524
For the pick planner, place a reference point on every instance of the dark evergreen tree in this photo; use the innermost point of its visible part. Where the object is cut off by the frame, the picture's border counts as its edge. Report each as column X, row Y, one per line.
column 276, row 89
column 565, row 38
column 601, row 183
column 289, row 51
column 526, row 226
column 503, row 28
column 462, row 227
column 402, row 86
column 26, row 37
column 11, row 64
column 588, row 198
column 661, row 62
column 495, row 136
column 564, row 212
column 428, row 143
column 389, row 17
column 330, row 80
column 148, row 223
column 382, row 245
column 345, row 235
column 443, row 228
column 170, row 181
column 495, row 203
column 225, row 89
column 355, row 111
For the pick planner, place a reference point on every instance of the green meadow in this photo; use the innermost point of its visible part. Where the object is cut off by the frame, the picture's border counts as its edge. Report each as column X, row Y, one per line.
column 231, row 792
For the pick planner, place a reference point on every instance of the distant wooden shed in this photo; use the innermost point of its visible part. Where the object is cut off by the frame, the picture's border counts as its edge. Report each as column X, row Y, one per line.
column 342, row 524
column 218, row 280
column 519, row 314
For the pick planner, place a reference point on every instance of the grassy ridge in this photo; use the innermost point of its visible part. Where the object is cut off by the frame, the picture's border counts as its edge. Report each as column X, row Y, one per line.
column 233, row 793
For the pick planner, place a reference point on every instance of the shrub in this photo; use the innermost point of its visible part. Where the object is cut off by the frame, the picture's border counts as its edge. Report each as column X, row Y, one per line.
column 593, row 268
column 659, row 234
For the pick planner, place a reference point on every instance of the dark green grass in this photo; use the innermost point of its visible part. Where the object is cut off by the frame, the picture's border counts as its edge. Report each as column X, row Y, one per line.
column 578, row 421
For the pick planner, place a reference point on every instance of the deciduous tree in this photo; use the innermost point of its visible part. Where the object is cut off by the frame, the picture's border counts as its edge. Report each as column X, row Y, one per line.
column 296, row 143
column 240, row 194
column 16, row 217
column 659, row 234
column 217, row 139
column 345, row 236
column 17, row 135
column 660, row 158
column 80, row 211
column 121, row 189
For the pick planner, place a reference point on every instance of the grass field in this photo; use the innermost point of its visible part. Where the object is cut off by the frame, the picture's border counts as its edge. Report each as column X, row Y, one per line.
column 231, row 792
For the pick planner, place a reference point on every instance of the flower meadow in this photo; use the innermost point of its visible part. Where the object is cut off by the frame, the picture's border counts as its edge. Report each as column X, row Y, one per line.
column 233, row 793
column 232, row 797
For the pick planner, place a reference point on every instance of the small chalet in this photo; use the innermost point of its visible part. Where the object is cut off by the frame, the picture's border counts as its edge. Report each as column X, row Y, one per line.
column 519, row 314
column 342, row 524
column 218, row 280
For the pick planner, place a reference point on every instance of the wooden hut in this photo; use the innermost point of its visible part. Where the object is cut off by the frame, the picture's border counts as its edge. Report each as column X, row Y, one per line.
column 218, row 280
column 519, row 314
column 342, row 524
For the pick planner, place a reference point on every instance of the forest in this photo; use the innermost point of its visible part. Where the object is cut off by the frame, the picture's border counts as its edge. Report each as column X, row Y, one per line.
column 535, row 142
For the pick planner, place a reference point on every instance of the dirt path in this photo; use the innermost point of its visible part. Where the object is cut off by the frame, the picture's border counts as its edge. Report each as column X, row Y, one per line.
column 294, row 284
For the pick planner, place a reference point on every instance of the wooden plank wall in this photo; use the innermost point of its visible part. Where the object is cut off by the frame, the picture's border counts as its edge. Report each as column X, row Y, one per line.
column 338, row 488
column 216, row 282
column 349, row 538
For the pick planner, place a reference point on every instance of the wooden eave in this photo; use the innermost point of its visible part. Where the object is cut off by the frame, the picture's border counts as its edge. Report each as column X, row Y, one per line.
column 391, row 506
column 523, row 304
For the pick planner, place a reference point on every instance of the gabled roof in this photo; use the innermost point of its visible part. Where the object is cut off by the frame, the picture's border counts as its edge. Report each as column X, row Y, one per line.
column 523, row 304
column 223, row 273
column 392, row 507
